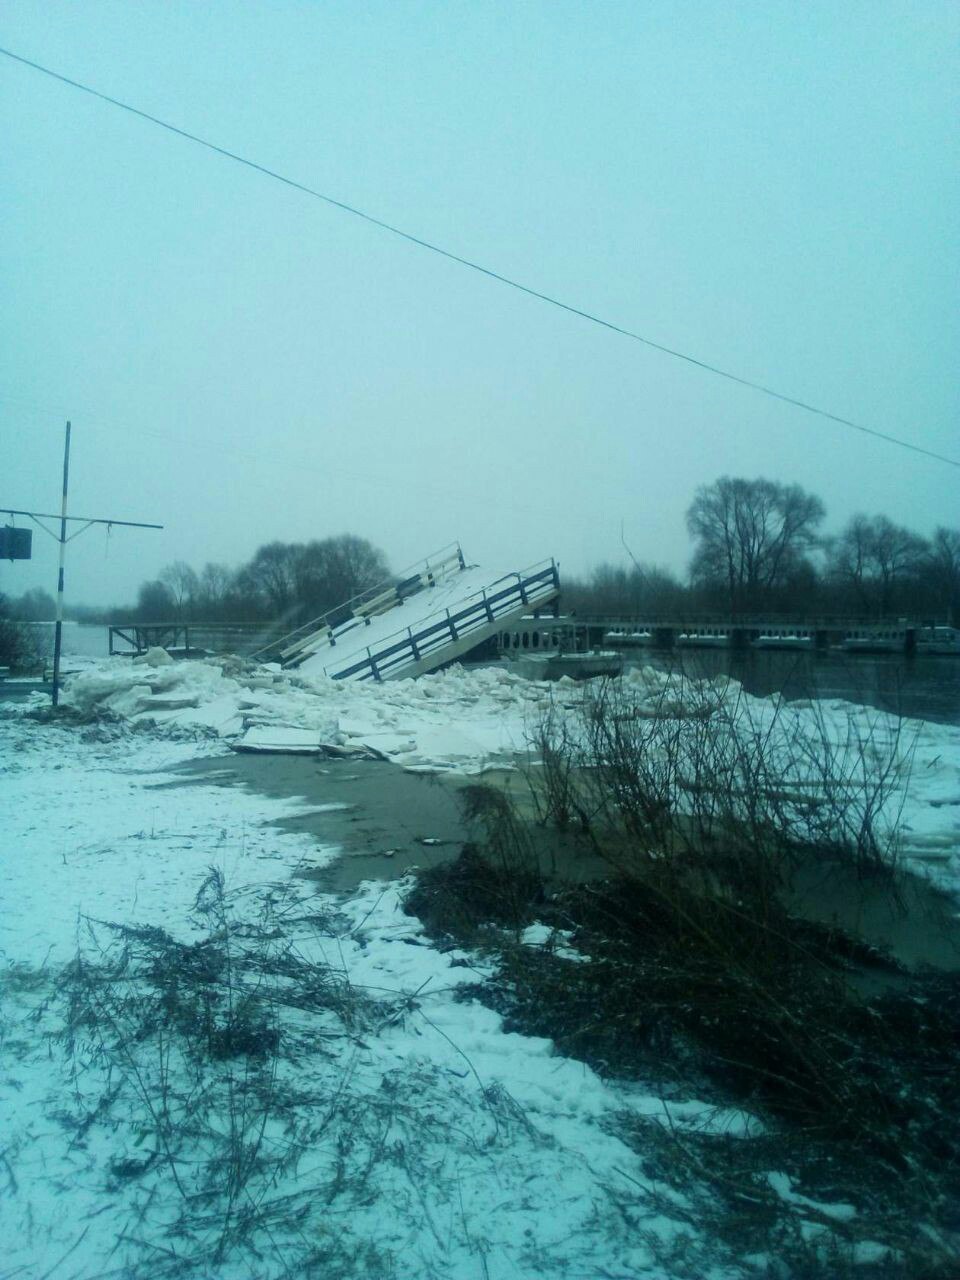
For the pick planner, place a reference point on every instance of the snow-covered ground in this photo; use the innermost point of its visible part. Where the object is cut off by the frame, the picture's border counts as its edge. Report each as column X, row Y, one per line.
column 434, row 1143
column 412, row 1138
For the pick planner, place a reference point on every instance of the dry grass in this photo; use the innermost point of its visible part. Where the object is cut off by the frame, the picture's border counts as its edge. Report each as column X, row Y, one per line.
column 698, row 976
column 182, row 1049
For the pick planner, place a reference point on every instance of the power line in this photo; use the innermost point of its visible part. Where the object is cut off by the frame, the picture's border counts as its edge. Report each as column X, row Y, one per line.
column 478, row 267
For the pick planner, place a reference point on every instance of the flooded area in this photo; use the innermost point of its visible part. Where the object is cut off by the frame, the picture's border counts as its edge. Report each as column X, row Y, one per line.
column 387, row 822
column 915, row 923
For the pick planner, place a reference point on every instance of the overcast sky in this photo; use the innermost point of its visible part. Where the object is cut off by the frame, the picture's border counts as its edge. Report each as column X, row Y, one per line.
column 770, row 187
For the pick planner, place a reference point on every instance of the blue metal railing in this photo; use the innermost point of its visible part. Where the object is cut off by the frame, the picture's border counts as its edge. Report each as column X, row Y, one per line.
column 526, row 589
column 294, row 645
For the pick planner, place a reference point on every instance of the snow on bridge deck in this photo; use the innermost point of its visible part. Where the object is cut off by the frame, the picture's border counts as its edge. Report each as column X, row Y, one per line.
column 438, row 623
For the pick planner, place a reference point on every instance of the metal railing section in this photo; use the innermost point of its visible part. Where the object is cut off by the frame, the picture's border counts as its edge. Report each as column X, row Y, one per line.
column 526, row 589
column 127, row 639
column 387, row 594
column 719, row 619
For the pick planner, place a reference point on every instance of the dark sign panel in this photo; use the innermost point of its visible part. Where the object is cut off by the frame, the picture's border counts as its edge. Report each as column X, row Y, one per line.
column 15, row 544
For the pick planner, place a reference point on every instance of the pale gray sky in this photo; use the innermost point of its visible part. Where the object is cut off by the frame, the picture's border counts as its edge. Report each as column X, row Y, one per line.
column 771, row 187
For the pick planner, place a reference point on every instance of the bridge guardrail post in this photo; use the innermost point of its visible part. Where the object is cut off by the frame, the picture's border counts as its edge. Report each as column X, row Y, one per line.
column 373, row 664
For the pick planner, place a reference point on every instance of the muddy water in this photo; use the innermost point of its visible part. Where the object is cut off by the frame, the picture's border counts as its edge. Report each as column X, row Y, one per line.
column 387, row 813
column 918, row 925
column 393, row 821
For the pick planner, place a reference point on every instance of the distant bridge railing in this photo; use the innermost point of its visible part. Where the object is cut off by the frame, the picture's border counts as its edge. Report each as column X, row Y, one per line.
column 829, row 621
column 128, row 639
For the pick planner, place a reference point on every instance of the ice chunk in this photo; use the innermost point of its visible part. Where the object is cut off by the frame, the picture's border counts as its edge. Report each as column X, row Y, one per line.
column 278, row 739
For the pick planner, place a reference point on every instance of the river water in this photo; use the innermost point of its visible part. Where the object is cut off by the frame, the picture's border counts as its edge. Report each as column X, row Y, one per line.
column 926, row 688
column 921, row 688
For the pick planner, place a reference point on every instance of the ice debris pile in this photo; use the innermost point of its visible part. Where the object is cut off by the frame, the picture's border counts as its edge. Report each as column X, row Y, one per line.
column 469, row 719
column 453, row 718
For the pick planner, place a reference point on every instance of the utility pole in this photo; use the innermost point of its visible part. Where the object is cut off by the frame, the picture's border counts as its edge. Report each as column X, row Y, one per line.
column 86, row 521
column 58, row 632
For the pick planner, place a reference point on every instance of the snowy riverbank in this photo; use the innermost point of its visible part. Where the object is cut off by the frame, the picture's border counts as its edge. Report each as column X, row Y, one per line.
column 428, row 1141
column 393, row 1129
column 466, row 720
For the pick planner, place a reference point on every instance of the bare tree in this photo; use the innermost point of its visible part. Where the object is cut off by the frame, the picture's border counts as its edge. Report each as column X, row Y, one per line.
column 334, row 570
column 751, row 536
column 614, row 589
column 878, row 559
column 213, row 588
column 182, row 583
column 297, row 581
column 611, row 590
column 14, row 637
column 155, row 602
column 35, row 605
column 943, row 572
column 273, row 575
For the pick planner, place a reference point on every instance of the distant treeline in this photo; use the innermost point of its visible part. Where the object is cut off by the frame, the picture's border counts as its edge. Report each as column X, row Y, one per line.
column 757, row 546
column 289, row 582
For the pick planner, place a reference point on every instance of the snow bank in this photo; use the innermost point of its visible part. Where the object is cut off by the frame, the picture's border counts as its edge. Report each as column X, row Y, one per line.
column 98, row 827
column 453, row 717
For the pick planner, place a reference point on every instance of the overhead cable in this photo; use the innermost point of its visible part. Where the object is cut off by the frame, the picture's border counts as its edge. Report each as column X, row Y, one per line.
column 478, row 267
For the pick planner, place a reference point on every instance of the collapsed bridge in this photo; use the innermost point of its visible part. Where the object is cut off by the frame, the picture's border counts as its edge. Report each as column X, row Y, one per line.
column 436, row 612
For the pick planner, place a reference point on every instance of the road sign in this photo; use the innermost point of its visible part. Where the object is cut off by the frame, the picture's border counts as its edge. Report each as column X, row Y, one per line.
column 15, row 544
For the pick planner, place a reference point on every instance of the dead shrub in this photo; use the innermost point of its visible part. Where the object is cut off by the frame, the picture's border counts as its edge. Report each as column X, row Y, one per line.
column 180, row 1044
column 696, row 971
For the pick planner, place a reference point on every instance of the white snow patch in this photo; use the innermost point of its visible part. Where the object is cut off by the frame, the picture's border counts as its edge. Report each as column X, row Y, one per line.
column 448, row 1146
column 782, row 1184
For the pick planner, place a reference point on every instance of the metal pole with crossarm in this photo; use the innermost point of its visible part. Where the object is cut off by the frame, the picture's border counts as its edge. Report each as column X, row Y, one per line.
column 58, row 632
column 38, row 517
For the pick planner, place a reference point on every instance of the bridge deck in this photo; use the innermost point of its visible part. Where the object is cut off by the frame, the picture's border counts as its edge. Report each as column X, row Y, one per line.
column 429, row 627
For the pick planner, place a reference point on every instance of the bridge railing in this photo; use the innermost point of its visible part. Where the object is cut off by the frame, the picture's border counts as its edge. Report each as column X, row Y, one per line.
column 527, row 589
column 127, row 639
column 376, row 599
column 747, row 621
